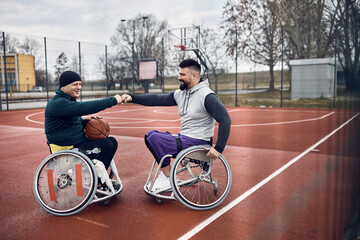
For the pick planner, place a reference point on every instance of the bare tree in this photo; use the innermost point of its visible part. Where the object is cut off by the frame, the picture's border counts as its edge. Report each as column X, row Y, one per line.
column 11, row 43
column 309, row 27
column 311, row 31
column 349, row 42
column 117, row 71
column 30, row 47
column 258, row 29
column 214, row 51
column 146, row 33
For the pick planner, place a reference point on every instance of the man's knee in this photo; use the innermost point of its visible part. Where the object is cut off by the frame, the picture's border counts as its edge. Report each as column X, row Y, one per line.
column 113, row 142
column 149, row 133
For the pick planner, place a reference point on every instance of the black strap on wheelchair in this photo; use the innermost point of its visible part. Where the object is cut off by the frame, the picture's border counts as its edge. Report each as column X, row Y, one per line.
column 178, row 143
column 49, row 147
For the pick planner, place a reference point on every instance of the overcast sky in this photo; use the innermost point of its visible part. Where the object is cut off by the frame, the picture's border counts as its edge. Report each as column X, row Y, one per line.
column 96, row 21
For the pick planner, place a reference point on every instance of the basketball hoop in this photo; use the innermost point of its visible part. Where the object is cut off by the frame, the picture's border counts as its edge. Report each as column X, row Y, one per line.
column 184, row 38
column 182, row 47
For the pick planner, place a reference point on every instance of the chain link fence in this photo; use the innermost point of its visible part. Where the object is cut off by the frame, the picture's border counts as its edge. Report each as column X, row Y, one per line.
column 95, row 64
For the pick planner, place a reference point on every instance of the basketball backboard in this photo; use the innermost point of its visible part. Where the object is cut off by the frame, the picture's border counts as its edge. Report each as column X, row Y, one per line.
column 185, row 38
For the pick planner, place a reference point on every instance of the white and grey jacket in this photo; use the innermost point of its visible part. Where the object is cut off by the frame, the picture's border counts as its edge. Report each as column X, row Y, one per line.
column 198, row 108
column 196, row 122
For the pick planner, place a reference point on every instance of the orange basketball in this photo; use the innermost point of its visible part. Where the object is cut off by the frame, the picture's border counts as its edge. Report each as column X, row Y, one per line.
column 97, row 128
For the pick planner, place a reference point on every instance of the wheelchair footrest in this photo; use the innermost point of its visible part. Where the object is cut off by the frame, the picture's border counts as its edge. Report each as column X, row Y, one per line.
column 168, row 194
column 104, row 193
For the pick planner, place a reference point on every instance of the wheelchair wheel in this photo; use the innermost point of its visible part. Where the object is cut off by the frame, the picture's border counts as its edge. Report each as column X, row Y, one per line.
column 65, row 183
column 199, row 182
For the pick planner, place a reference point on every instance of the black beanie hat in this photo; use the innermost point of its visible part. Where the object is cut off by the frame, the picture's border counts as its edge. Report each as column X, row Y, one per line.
column 68, row 77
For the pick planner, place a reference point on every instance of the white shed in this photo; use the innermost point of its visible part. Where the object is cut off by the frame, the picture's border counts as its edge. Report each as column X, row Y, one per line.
column 312, row 78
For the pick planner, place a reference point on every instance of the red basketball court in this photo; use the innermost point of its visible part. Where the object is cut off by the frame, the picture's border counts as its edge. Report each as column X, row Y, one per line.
column 295, row 176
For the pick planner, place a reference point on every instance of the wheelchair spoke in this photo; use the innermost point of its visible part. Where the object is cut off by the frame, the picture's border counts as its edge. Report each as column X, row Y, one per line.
column 64, row 183
column 189, row 182
column 200, row 182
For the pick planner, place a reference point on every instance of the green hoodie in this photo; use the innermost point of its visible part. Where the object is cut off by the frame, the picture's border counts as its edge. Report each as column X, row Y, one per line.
column 63, row 122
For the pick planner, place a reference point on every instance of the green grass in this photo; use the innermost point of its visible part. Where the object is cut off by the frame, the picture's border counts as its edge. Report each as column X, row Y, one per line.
column 344, row 100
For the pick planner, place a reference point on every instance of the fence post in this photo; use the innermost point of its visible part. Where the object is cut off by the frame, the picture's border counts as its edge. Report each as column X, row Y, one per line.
column 6, row 83
column 106, row 73
column 335, row 67
column 1, row 80
column 282, row 60
column 236, row 65
column 162, row 66
column 46, row 71
column 80, row 68
column 254, row 76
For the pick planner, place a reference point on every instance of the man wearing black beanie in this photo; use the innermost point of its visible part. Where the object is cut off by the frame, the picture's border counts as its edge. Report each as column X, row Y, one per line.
column 64, row 126
column 68, row 77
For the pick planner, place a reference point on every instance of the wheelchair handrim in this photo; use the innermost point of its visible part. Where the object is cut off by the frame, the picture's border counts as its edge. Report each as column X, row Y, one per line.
column 82, row 204
column 192, row 204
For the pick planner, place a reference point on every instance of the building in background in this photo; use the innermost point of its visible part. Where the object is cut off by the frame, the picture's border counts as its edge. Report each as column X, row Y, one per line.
column 313, row 78
column 20, row 72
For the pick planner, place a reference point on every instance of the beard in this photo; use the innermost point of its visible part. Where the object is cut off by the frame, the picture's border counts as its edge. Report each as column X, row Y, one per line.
column 183, row 86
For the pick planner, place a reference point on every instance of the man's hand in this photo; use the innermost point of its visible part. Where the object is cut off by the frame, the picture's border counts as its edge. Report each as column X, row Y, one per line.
column 126, row 98
column 118, row 98
column 95, row 117
column 213, row 154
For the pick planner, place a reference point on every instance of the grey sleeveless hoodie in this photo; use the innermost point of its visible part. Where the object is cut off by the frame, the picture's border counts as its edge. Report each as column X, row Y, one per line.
column 196, row 122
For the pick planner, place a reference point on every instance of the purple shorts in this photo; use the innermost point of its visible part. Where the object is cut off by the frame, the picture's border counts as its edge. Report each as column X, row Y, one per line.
column 164, row 143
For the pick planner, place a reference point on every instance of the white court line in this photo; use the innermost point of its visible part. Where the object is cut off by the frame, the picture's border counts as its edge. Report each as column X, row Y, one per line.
column 238, row 125
column 158, row 127
column 287, row 122
column 28, row 117
column 274, row 110
column 137, row 121
column 241, row 125
column 92, row 222
column 216, row 215
column 129, row 110
column 162, row 111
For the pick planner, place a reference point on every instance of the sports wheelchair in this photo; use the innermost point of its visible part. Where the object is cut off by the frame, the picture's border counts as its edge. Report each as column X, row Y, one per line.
column 67, row 181
column 196, row 180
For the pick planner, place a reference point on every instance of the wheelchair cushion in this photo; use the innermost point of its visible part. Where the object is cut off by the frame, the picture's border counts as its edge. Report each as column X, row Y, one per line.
column 55, row 148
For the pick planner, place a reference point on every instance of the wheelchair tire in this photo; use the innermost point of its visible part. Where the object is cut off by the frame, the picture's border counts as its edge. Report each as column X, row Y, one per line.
column 65, row 182
column 199, row 182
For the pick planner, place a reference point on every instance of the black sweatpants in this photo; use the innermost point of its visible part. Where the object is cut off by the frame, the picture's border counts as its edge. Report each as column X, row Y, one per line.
column 108, row 147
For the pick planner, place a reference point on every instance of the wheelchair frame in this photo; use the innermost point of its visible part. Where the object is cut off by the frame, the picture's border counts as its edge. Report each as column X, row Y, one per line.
column 66, row 182
column 192, row 179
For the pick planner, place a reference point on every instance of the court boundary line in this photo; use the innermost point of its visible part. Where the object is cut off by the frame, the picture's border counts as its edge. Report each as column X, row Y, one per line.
column 177, row 120
column 239, row 199
column 27, row 118
column 235, row 125
column 277, row 110
column 91, row 222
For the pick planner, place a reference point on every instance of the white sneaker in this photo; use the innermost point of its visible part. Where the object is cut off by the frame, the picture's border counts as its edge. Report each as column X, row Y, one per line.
column 162, row 182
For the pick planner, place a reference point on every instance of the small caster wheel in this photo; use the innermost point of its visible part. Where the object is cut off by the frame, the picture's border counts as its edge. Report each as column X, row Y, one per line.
column 106, row 202
column 159, row 200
